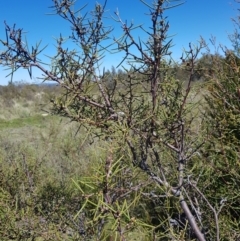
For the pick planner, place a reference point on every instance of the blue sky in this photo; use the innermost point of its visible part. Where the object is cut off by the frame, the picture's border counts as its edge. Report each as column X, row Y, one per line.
column 188, row 22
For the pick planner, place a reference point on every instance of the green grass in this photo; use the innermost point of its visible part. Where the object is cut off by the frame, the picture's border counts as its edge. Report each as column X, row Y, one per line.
column 36, row 120
column 38, row 157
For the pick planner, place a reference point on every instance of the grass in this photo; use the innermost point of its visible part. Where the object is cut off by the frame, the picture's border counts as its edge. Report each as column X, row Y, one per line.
column 37, row 161
column 39, row 156
column 36, row 120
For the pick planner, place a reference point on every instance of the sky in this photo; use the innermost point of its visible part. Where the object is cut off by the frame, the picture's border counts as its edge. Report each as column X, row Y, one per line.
column 194, row 18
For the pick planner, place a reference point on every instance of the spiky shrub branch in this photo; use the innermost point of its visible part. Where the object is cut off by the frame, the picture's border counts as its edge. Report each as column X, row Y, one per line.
column 157, row 131
column 145, row 118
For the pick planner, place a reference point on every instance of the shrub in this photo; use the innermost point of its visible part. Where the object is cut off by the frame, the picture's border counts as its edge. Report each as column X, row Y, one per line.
column 155, row 172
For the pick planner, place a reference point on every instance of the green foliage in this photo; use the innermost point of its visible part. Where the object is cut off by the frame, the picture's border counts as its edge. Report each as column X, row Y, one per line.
column 223, row 100
column 38, row 198
column 222, row 147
